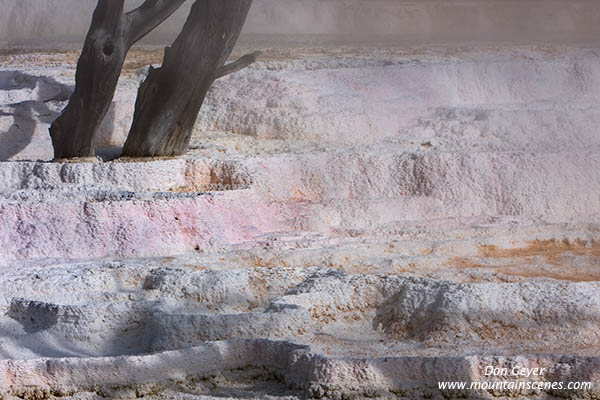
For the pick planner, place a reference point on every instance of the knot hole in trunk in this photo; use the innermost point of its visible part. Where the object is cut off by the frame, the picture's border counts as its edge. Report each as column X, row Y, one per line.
column 109, row 48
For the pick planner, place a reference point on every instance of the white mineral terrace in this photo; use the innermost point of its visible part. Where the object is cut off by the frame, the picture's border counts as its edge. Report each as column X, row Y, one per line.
column 350, row 223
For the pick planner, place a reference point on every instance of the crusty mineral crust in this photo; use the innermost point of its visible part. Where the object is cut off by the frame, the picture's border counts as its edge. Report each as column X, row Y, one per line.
column 375, row 223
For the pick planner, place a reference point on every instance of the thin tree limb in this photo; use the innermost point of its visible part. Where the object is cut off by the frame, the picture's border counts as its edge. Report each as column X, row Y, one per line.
column 237, row 65
column 148, row 16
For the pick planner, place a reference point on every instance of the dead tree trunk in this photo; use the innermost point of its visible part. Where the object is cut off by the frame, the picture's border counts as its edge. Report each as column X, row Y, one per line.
column 111, row 34
column 170, row 98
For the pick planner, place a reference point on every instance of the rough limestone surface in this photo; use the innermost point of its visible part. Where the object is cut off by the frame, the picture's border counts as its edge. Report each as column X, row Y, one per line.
column 349, row 223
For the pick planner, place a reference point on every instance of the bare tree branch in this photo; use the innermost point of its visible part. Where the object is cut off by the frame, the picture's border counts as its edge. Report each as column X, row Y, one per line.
column 108, row 11
column 98, row 71
column 111, row 34
column 148, row 16
column 238, row 65
column 170, row 99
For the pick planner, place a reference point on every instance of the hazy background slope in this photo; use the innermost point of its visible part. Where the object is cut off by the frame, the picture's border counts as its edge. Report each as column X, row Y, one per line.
column 57, row 23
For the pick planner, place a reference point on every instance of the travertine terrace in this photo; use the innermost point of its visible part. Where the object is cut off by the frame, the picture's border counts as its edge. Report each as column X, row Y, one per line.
column 351, row 222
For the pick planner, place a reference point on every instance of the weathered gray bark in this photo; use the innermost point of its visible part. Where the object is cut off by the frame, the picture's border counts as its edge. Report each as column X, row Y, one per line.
column 170, row 98
column 111, row 34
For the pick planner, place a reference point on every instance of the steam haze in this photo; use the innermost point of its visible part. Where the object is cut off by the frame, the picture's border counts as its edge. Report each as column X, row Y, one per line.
column 52, row 23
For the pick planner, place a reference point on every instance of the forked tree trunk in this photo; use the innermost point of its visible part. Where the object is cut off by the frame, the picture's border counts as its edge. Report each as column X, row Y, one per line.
column 111, row 34
column 170, row 98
